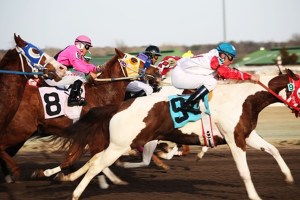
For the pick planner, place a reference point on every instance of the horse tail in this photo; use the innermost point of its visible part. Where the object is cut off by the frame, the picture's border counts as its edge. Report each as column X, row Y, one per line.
column 91, row 129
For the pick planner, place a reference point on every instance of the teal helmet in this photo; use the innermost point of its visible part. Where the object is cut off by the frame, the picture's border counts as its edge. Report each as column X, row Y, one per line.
column 227, row 48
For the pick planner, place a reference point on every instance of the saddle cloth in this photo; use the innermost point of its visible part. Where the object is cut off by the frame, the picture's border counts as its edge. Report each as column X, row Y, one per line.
column 55, row 103
column 179, row 117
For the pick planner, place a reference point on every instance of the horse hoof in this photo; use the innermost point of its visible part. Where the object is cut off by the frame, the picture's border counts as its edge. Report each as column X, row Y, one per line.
column 119, row 163
column 9, row 179
column 102, row 182
column 122, row 183
column 37, row 174
column 59, row 177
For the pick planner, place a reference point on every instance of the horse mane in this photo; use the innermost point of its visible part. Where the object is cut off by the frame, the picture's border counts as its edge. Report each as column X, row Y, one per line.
column 8, row 58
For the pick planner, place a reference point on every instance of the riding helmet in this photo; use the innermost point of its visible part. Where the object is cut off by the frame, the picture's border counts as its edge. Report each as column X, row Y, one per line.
column 152, row 51
column 227, row 48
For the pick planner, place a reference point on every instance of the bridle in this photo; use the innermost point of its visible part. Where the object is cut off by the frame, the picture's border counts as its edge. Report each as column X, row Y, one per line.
column 33, row 56
column 130, row 66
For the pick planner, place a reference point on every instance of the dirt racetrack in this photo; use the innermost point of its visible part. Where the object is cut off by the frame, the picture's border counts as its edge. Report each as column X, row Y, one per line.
column 215, row 177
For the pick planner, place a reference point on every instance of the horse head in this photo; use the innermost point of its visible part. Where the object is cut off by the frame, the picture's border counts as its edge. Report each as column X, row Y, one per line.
column 131, row 66
column 291, row 83
column 38, row 60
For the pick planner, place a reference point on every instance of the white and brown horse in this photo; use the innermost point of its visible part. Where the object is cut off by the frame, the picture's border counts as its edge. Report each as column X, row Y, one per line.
column 110, row 88
column 235, row 108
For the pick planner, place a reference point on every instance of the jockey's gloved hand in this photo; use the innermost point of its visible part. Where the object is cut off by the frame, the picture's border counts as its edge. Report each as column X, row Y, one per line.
column 99, row 69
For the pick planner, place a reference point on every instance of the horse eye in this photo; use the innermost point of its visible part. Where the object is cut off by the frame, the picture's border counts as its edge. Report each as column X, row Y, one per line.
column 133, row 60
column 34, row 53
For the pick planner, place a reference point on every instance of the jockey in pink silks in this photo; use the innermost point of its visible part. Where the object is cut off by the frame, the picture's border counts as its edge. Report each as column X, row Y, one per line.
column 202, row 72
column 73, row 57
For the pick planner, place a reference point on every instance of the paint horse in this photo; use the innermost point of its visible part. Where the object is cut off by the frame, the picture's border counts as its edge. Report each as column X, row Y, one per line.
column 133, row 123
column 110, row 88
column 16, row 67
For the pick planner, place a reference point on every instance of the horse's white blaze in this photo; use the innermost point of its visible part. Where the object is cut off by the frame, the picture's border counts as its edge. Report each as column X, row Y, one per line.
column 60, row 68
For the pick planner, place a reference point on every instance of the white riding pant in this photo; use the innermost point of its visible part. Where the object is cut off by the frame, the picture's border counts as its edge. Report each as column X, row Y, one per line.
column 136, row 86
column 67, row 80
column 183, row 80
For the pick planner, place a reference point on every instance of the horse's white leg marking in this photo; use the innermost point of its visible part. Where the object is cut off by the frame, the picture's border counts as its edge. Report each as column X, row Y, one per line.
column 257, row 142
column 113, row 178
column 170, row 154
column 73, row 176
column 50, row 172
column 102, row 182
column 239, row 157
column 203, row 150
column 147, row 154
column 8, row 179
column 99, row 162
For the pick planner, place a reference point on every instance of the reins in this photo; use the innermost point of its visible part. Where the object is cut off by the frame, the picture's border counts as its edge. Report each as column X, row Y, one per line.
column 35, row 67
column 125, row 65
column 278, row 97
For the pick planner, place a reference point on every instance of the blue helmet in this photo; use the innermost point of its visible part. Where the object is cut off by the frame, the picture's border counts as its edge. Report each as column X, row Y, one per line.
column 227, row 48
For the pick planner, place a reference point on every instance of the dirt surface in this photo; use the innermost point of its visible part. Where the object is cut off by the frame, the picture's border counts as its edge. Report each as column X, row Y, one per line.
column 214, row 177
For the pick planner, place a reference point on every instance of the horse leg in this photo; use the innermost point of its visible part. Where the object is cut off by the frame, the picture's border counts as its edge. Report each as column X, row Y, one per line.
column 113, row 178
column 99, row 162
column 257, row 142
column 147, row 154
column 73, row 154
column 185, row 150
column 6, row 172
column 10, row 163
column 75, row 175
column 200, row 155
column 239, row 156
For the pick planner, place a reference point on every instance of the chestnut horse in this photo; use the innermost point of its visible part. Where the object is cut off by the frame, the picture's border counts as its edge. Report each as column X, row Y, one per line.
column 134, row 123
column 30, row 114
column 16, row 67
column 13, row 85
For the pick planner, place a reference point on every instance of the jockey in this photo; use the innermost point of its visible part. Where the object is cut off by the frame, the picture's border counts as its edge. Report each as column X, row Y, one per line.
column 141, row 87
column 73, row 57
column 201, row 72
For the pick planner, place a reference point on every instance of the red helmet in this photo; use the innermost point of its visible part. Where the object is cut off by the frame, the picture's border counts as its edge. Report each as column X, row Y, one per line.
column 83, row 39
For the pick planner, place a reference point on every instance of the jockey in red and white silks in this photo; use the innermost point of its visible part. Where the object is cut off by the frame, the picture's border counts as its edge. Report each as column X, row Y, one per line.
column 201, row 72
column 191, row 73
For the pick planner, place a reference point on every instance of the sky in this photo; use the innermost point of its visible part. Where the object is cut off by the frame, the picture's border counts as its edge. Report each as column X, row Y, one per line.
column 115, row 23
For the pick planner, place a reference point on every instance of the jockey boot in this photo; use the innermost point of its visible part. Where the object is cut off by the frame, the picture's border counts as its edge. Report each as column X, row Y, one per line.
column 200, row 93
column 140, row 93
column 75, row 98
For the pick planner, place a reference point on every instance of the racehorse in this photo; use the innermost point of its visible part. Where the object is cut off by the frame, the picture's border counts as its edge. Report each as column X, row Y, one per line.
column 134, row 123
column 110, row 88
column 16, row 67
column 17, row 60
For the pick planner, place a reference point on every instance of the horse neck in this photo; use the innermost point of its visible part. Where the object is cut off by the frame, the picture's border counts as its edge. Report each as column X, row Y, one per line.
column 278, row 83
column 109, row 91
column 11, row 61
column 262, row 99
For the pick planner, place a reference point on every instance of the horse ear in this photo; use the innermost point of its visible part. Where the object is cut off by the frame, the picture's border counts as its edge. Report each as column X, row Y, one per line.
column 119, row 53
column 19, row 41
column 291, row 74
